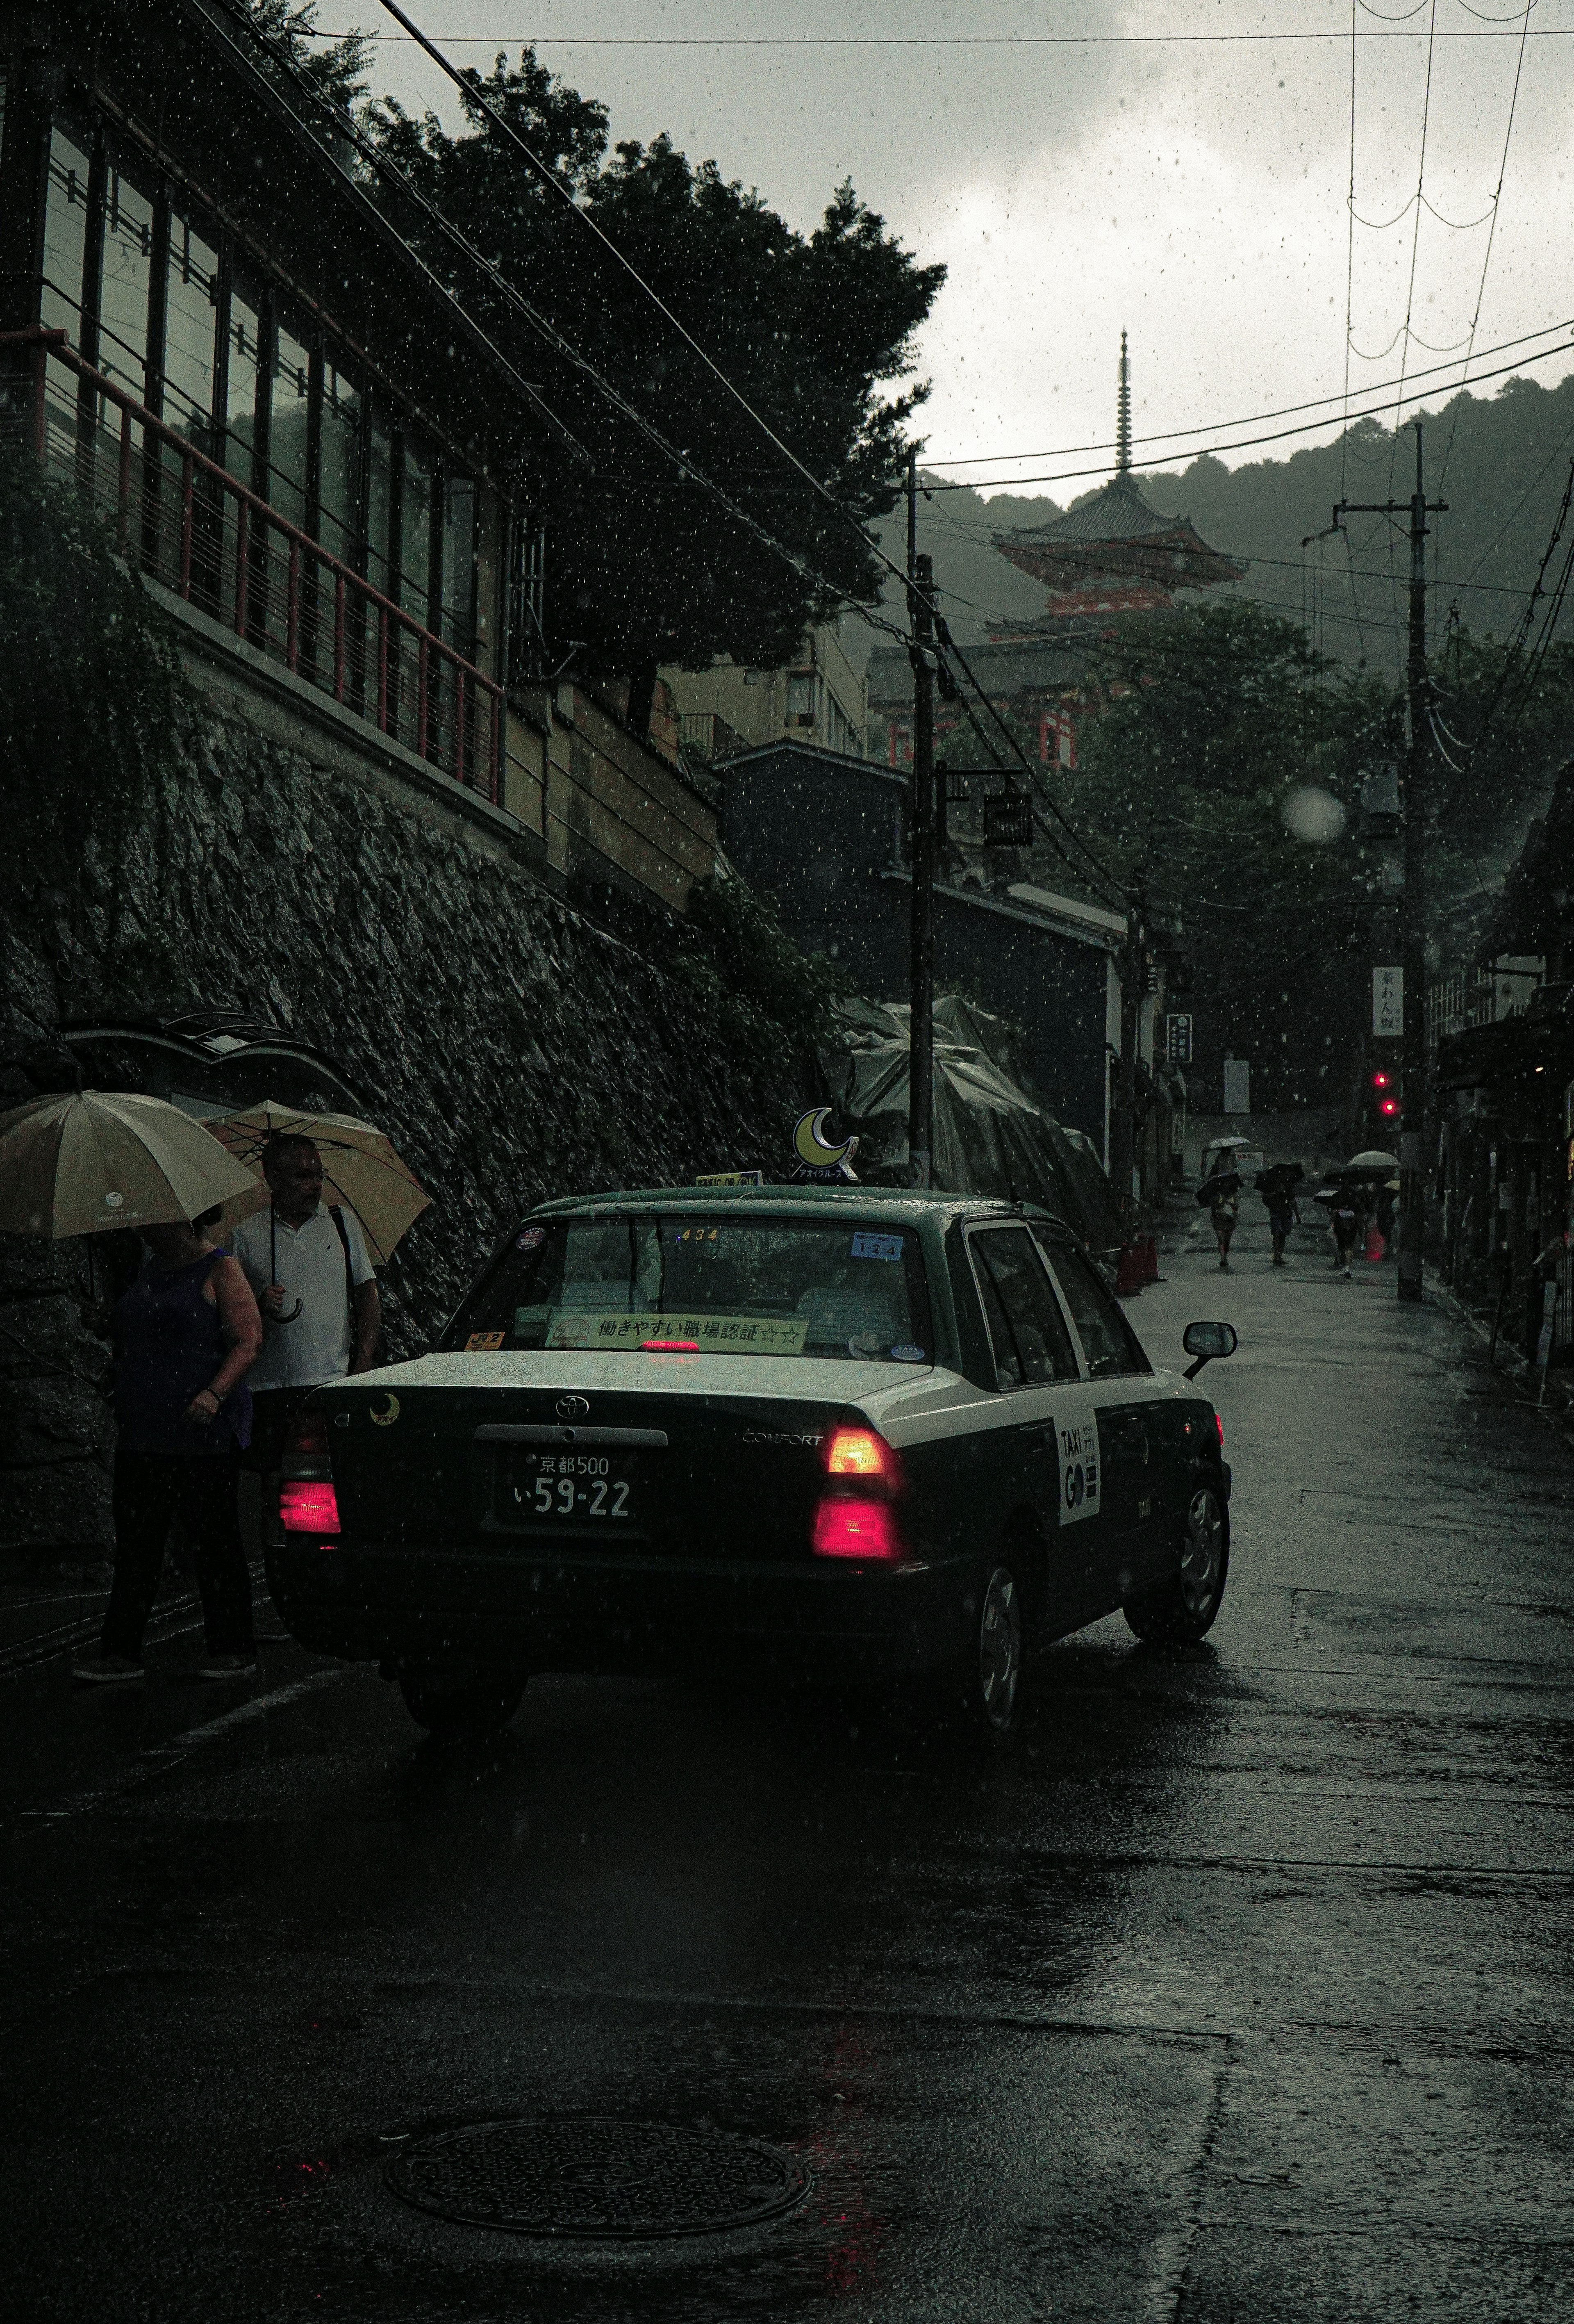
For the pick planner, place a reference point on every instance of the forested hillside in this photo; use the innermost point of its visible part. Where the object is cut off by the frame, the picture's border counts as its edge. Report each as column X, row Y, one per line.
column 1506, row 457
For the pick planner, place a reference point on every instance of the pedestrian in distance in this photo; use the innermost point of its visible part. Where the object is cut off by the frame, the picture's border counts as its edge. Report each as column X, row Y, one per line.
column 1344, row 1221
column 318, row 1295
column 1277, row 1188
column 185, row 1336
column 1224, row 1212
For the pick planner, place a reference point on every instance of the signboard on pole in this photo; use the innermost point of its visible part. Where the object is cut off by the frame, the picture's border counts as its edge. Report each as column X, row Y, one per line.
column 1178, row 1041
column 1388, row 1003
column 1237, row 1086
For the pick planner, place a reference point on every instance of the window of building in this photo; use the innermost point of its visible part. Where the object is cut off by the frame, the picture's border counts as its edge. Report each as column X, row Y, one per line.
column 126, row 283
column 190, row 333
column 339, row 488
column 65, row 237
column 415, row 530
column 290, row 426
column 800, row 691
column 243, row 378
column 379, row 543
column 458, row 608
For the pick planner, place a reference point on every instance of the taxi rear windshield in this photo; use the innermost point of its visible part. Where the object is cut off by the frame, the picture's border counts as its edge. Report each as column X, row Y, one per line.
column 721, row 1287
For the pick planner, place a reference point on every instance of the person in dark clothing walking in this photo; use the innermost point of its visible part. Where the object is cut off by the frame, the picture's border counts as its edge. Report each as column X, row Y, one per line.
column 1277, row 1188
column 186, row 1335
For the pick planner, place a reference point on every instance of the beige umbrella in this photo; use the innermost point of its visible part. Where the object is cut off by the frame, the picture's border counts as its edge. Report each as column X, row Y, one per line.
column 84, row 1163
column 361, row 1170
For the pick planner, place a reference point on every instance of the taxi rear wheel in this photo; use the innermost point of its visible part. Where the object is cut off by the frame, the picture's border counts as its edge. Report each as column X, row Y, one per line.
column 986, row 1685
column 461, row 1705
column 1182, row 1609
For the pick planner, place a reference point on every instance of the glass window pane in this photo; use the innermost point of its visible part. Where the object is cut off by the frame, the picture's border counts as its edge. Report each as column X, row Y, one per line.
column 1108, row 1340
column 379, row 504
column 245, row 343
column 415, row 530
column 734, row 1286
column 339, row 493
column 1043, row 1345
column 190, row 333
column 289, row 433
column 459, row 564
column 65, row 237
column 126, row 285
column 1008, row 1363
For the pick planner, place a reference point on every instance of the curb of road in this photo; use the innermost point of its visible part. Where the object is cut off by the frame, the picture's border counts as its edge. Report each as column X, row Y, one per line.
column 1514, row 1369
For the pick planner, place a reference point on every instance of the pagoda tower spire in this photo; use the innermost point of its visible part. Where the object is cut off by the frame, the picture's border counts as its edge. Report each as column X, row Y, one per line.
column 1123, row 414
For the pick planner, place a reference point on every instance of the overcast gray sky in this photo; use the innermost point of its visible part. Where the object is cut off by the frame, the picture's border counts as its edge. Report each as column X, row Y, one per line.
column 1192, row 190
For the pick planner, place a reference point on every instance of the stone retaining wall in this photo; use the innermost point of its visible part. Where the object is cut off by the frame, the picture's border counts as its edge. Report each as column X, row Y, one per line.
column 513, row 1050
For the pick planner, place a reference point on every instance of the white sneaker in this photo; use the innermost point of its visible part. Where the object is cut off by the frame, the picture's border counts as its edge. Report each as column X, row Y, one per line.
column 99, row 1669
column 228, row 1666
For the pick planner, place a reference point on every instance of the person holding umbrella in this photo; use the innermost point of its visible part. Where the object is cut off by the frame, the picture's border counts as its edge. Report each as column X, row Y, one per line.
column 315, row 1285
column 1219, row 1195
column 185, row 1333
column 1277, row 1187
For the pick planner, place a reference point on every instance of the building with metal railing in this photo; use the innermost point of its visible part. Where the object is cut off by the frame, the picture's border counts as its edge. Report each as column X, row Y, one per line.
column 303, row 442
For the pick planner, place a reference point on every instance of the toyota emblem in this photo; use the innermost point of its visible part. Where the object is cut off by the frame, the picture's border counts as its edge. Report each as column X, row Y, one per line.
column 573, row 1407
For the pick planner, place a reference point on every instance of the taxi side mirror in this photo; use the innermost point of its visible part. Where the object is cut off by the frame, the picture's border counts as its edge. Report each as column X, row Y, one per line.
column 1206, row 1341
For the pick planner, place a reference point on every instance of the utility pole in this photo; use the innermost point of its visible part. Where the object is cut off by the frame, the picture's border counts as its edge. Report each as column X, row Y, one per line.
column 920, row 1052
column 1132, row 958
column 1413, row 902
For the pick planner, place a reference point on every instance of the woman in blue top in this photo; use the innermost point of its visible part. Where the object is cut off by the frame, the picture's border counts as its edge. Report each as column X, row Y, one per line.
column 186, row 1335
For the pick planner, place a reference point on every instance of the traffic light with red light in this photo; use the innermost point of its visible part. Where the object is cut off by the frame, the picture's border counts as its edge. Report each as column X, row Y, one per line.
column 1384, row 1097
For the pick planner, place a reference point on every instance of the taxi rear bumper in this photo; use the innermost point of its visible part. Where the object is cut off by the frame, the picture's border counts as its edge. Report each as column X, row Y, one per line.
column 408, row 1607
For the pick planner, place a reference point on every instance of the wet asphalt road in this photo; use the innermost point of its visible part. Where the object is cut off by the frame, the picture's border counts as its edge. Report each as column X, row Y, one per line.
column 1242, row 1992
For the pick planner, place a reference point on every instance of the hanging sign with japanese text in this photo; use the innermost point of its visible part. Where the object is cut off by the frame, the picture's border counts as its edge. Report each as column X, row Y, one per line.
column 1388, row 1002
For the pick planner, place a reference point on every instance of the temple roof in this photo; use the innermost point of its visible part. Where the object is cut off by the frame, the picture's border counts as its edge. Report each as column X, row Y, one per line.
column 1116, row 513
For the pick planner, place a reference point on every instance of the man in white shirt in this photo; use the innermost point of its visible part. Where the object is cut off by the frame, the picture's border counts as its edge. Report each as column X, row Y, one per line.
column 316, row 1290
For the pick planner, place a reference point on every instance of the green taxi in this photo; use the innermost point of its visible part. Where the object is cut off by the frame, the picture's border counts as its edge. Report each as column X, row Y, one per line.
column 827, row 1433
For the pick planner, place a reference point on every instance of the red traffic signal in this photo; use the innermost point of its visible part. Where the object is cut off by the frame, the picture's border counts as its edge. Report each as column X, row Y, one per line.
column 1386, row 1093
column 1382, row 1081
column 1389, row 1107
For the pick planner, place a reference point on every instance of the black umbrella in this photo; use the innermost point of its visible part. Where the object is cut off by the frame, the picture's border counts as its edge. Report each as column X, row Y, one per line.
column 1222, row 1182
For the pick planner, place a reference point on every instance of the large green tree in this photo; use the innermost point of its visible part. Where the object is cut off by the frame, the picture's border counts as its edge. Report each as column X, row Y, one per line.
column 816, row 331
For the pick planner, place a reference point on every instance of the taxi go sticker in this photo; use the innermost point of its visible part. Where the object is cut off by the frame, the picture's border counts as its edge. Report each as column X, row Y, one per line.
column 1079, row 1471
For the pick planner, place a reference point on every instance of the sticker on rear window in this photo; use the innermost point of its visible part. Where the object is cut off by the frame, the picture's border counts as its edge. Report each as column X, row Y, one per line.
column 486, row 1343
column 877, row 1246
column 905, row 1353
column 531, row 1239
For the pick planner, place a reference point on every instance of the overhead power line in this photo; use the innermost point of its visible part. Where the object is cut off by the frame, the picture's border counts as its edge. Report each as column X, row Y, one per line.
column 345, row 126
column 1247, row 419
column 923, row 40
column 1246, row 443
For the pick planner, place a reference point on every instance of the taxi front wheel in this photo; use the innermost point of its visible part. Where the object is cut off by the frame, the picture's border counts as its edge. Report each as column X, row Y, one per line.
column 1181, row 1610
column 461, row 1706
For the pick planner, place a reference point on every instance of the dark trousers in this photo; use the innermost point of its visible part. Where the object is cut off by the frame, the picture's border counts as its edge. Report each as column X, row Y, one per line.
column 199, row 1489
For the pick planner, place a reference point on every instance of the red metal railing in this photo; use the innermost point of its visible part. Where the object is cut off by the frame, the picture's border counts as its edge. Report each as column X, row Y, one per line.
column 185, row 521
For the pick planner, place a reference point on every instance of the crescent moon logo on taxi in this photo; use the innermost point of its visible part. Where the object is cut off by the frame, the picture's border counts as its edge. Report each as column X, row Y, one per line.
column 389, row 1414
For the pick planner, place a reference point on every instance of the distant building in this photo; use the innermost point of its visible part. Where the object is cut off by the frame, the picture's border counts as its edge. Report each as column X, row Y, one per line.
column 821, row 698
column 826, row 837
column 1112, row 553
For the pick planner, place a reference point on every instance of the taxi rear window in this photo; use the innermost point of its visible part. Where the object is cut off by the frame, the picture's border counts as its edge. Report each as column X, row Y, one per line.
column 756, row 1286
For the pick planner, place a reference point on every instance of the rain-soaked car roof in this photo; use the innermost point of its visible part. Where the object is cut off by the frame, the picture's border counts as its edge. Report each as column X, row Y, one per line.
column 853, row 1201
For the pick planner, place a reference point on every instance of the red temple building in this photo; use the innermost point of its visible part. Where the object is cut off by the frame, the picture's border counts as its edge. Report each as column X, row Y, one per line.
column 1113, row 554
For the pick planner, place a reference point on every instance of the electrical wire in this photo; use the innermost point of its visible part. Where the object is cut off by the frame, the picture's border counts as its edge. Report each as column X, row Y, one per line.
column 1247, row 419
column 1246, row 443
column 1491, row 238
column 345, row 126
column 941, row 40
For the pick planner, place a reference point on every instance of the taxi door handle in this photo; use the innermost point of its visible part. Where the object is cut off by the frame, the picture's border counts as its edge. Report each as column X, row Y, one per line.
column 1035, row 1431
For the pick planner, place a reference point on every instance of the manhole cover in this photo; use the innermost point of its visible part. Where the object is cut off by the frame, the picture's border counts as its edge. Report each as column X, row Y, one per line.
column 585, row 2176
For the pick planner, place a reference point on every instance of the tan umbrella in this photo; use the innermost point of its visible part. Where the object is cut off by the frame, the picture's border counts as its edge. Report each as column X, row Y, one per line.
column 83, row 1164
column 360, row 1167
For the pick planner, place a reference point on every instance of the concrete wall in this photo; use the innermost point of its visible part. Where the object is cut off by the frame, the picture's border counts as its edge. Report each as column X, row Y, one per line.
column 762, row 705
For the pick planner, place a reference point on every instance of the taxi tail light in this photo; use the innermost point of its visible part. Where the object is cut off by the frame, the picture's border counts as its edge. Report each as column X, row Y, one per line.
column 308, row 1503
column 857, row 1517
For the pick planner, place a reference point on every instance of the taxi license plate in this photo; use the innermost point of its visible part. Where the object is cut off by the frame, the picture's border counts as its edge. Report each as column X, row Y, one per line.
column 588, row 1488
